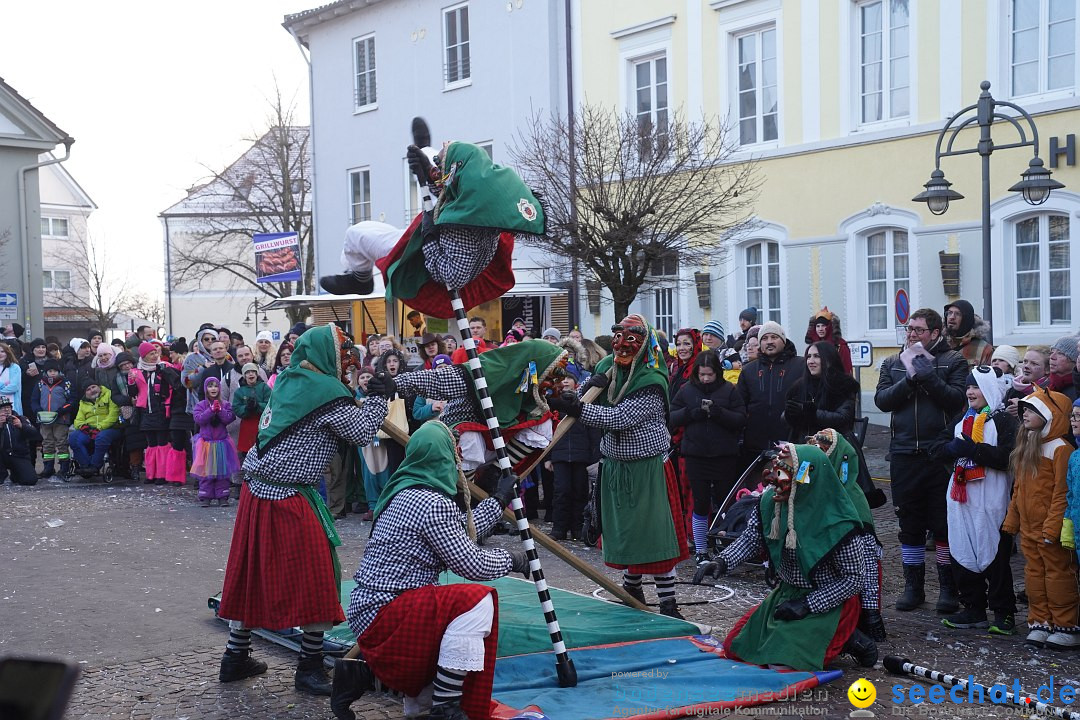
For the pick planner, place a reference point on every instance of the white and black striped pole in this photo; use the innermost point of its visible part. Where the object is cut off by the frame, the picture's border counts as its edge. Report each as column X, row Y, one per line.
column 900, row 666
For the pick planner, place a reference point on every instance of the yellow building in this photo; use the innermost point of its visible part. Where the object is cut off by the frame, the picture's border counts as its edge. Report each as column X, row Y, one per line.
column 841, row 102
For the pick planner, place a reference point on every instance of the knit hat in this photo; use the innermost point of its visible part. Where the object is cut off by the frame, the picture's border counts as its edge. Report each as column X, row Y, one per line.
column 714, row 328
column 51, row 364
column 1007, row 353
column 1067, row 346
column 124, row 357
column 35, row 343
column 94, row 333
column 749, row 314
column 575, row 371
column 367, row 369
column 17, row 330
column 264, row 335
column 5, row 401
column 515, row 335
column 298, row 329
column 249, row 366
column 179, row 346
column 86, row 384
column 145, row 348
column 774, row 328
column 439, row 360
column 552, row 332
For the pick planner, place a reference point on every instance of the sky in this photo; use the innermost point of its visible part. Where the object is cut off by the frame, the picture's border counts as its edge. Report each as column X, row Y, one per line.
column 154, row 94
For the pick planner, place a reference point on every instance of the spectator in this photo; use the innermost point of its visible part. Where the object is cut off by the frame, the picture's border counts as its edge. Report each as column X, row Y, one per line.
column 824, row 397
column 214, row 457
column 134, row 438
column 712, row 336
column 569, row 463
column 12, row 334
column 687, row 347
column 424, row 409
column 515, row 335
column 221, row 368
column 752, row 346
column 747, row 320
column 924, row 388
column 224, row 335
column 264, row 352
column 295, row 332
column 1006, row 358
column 53, row 351
column 52, row 404
column 825, row 325
column 373, row 346
column 711, row 414
column 103, row 366
column 197, row 360
column 17, row 438
column 1034, row 372
column 32, row 367
column 284, row 357
column 450, row 343
column 416, row 321
column 178, row 350
column 764, row 384
column 244, row 356
column 144, row 333
column 235, row 339
column 552, row 335
column 248, row 402
column 77, row 365
column 95, row 428
column 96, row 338
column 478, row 329
column 576, row 335
column 151, row 385
column 118, row 344
column 966, row 333
column 1063, row 356
column 593, row 354
column 431, row 346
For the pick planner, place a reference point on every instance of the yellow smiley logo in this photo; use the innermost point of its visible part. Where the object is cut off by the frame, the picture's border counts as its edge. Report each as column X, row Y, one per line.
column 862, row 693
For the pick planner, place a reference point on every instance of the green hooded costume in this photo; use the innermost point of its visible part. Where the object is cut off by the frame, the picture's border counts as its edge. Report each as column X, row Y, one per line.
column 430, row 462
column 513, row 373
column 822, row 518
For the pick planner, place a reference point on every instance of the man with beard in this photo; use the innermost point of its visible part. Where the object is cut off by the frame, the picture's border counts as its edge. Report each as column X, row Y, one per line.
column 641, row 513
column 764, row 384
column 967, row 333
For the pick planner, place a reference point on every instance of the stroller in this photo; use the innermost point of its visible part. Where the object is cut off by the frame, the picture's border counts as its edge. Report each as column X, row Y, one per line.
column 730, row 519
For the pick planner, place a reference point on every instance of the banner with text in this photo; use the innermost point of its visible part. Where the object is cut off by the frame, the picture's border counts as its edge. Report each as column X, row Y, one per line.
column 277, row 257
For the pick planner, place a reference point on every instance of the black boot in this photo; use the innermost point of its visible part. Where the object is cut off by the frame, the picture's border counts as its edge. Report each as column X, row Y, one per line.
column 635, row 592
column 914, row 588
column 871, row 623
column 237, row 665
column 347, row 284
column 48, row 469
column 948, row 598
column 352, row 678
column 861, row 648
column 448, row 711
column 311, row 677
column 670, row 607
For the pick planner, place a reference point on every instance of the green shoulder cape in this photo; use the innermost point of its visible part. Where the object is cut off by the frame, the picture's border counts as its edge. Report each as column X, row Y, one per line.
column 512, row 373
column 430, row 461
column 480, row 193
column 845, row 461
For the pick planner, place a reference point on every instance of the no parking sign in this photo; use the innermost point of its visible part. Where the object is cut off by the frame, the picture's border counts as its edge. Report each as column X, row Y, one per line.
column 903, row 306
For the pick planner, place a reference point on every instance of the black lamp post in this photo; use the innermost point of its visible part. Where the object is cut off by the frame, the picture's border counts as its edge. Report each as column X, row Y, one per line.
column 247, row 315
column 1035, row 182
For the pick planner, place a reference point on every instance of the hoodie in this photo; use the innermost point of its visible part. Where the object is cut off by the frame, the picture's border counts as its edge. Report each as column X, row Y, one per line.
column 832, row 334
column 213, row 416
column 970, row 338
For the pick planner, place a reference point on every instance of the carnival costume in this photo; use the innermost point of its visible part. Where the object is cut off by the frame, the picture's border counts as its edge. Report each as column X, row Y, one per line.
column 283, row 569
column 810, row 529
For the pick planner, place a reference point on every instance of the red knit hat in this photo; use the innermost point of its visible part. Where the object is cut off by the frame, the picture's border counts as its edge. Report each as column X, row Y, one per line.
column 145, row 348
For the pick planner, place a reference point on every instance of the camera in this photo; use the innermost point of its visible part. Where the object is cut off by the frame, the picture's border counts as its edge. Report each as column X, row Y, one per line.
column 706, row 404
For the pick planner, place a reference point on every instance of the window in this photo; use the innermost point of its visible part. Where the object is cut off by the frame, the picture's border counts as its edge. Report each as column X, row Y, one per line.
column 364, row 65
column 887, row 271
column 359, row 196
column 456, row 69
column 1043, row 278
column 56, row 280
column 763, row 279
column 667, row 265
column 756, row 86
column 1043, row 45
column 651, row 96
column 664, row 306
column 54, row 227
column 884, row 48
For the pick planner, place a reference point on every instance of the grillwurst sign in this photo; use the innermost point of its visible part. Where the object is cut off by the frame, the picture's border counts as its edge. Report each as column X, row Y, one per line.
column 277, row 257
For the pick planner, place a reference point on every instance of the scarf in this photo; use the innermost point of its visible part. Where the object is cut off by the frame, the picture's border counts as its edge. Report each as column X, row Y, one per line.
column 966, row 470
column 1059, row 383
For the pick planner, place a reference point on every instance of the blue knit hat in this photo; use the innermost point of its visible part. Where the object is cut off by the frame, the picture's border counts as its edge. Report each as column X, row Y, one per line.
column 575, row 371
column 714, row 328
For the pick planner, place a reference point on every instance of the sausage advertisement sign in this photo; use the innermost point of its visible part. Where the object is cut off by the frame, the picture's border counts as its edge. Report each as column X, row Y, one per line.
column 277, row 257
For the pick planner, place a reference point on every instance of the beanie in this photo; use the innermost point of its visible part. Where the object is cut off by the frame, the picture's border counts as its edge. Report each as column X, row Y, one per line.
column 36, row 342
column 774, row 328
column 122, row 358
column 749, row 314
column 264, row 335
column 145, row 348
column 1067, row 346
column 714, row 328
column 298, row 329
column 574, row 371
column 249, row 366
column 179, row 346
column 1007, row 353
column 440, row 360
column 367, row 369
column 17, row 330
column 51, row 364
column 553, row 332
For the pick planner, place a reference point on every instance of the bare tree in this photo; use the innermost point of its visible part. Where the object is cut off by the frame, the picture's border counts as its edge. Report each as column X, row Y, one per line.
column 266, row 191
column 644, row 199
column 143, row 307
column 97, row 292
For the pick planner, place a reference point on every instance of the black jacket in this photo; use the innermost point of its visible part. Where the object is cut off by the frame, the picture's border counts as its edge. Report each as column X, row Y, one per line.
column 580, row 444
column 833, row 408
column 16, row 442
column 713, row 432
column 922, row 411
column 764, row 385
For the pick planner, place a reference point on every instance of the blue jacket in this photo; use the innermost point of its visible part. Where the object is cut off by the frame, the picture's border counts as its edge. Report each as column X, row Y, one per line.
column 580, row 444
column 58, row 398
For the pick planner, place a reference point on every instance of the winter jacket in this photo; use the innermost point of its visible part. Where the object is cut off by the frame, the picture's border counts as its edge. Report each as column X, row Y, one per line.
column 100, row 414
column 29, row 382
column 833, row 408
column 16, row 442
column 580, row 444
column 764, row 384
column 259, row 394
column 58, row 398
column 79, row 371
column 970, row 338
column 236, row 381
column 11, row 384
column 923, row 412
column 152, row 393
column 221, row 372
column 711, row 432
column 212, row 423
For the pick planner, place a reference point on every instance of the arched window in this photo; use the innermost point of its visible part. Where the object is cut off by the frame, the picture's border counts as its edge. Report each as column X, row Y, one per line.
column 761, row 261
column 888, row 270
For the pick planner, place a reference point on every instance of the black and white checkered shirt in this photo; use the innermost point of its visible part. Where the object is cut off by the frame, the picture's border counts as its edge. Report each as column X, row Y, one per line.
column 834, row 580
column 306, row 449
column 444, row 384
column 456, row 254
column 635, row 428
column 418, row 535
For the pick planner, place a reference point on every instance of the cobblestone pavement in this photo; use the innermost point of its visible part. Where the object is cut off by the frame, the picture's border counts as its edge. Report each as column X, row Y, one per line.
column 121, row 587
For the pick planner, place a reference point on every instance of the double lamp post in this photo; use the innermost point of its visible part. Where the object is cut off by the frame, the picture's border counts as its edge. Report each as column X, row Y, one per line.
column 1035, row 182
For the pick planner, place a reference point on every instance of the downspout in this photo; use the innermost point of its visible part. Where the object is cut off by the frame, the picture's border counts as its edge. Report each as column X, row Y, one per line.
column 311, row 147
column 25, row 232
column 575, row 279
column 168, row 274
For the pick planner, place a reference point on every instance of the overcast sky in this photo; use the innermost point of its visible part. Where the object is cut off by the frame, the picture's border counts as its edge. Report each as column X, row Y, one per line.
column 152, row 92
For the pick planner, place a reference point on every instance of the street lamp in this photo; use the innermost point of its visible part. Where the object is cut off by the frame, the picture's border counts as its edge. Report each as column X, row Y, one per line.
column 248, row 313
column 1035, row 182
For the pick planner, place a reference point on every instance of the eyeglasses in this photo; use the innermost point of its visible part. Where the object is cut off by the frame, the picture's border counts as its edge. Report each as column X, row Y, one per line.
column 916, row 330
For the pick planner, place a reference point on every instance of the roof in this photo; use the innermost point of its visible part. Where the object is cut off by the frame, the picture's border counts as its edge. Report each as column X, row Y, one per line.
column 298, row 23
column 45, row 129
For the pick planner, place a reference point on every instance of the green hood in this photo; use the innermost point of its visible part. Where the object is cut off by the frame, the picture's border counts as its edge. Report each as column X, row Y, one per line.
column 480, row 193
column 647, row 369
column 842, row 453
column 300, row 390
column 430, row 461
column 824, row 515
column 505, row 368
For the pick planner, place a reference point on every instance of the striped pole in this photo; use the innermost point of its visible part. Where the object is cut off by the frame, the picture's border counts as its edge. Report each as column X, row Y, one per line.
column 564, row 666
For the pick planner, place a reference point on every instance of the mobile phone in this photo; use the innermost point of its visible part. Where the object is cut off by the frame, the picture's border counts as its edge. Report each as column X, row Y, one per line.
column 35, row 688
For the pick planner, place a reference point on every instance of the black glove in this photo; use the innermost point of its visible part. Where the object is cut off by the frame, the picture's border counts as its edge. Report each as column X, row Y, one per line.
column 962, row 446
column 250, row 404
column 599, row 380
column 792, row 610
column 699, row 413
column 519, row 562
column 381, row 385
column 566, row 404
column 506, row 490
column 419, row 164
column 809, row 407
column 922, row 367
column 793, row 407
column 712, row 569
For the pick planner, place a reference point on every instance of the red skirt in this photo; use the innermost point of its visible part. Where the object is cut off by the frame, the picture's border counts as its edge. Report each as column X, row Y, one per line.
column 280, row 572
column 674, row 495
column 402, row 644
column 249, row 430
